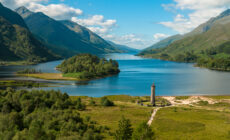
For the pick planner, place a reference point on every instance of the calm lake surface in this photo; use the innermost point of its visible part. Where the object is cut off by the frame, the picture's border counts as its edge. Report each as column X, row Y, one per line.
column 136, row 77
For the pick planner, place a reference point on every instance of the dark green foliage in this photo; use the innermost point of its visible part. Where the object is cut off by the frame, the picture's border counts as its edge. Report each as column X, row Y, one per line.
column 44, row 115
column 79, row 104
column 106, row 102
column 17, row 43
column 186, row 57
column 29, row 71
column 143, row 132
column 92, row 102
column 88, row 66
column 125, row 130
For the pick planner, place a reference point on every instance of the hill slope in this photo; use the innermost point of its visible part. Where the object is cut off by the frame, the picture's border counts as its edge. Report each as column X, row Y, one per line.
column 165, row 42
column 203, row 45
column 17, row 43
column 89, row 36
column 57, row 34
column 124, row 48
column 11, row 16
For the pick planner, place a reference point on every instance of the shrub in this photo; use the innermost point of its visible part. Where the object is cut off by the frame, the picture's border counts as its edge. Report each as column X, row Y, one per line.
column 125, row 130
column 106, row 102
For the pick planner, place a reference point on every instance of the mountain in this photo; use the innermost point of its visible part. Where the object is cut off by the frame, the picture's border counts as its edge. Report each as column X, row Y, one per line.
column 223, row 18
column 16, row 41
column 59, row 35
column 165, row 42
column 124, row 48
column 89, row 36
column 203, row 45
column 11, row 16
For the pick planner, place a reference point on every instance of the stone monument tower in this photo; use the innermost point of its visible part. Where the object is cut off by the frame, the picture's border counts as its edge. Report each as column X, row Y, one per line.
column 153, row 100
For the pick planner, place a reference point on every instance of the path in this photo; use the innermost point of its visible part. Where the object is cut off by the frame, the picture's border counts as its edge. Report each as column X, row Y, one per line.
column 152, row 116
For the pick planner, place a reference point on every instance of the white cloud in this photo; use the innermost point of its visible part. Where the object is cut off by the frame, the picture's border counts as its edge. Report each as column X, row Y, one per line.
column 131, row 40
column 97, row 24
column 201, row 11
column 57, row 11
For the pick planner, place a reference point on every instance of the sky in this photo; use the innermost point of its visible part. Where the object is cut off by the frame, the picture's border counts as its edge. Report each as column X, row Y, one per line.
column 135, row 23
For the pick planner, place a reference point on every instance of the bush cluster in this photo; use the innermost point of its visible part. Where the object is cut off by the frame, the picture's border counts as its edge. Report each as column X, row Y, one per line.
column 89, row 66
column 44, row 115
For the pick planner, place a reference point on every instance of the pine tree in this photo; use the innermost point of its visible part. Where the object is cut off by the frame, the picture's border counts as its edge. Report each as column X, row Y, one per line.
column 125, row 130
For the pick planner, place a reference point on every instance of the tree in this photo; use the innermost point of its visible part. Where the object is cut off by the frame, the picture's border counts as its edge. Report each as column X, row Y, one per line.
column 106, row 102
column 125, row 130
column 143, row 132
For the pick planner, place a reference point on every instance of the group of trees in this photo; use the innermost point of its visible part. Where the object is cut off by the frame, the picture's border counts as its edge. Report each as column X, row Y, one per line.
column 89, row 66
column 222, row 63
column 126, row 132
column 44, row 115
column 49, row 115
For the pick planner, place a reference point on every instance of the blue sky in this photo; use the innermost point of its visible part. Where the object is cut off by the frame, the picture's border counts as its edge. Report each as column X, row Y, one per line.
column 136, row 23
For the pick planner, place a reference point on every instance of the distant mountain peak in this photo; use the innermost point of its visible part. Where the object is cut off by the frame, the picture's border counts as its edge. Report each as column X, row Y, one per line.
column 23, row 11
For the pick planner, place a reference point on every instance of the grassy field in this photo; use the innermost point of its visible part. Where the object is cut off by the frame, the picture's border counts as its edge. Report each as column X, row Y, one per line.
column 181, row 123
column 109, row 116
column 199, row 121
column 48, row 76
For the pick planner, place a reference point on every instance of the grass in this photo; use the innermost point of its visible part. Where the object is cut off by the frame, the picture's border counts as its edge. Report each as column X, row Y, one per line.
column 48, row 76
column 110, row 116
column 21, row 83
column 182, row 97
column 191, row 123
column 205, row 121
column 73, row 75
column 15, row 63
column 222, row 97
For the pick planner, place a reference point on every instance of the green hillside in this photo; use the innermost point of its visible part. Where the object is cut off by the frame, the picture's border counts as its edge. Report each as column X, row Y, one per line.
column 90, row 36
column 204, row 47
column 57, row 34
column 18, row 44
column 165, row 42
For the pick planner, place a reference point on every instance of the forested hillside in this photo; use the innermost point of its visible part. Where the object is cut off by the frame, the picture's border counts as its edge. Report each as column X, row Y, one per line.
column 17, row 43
column 60, row 37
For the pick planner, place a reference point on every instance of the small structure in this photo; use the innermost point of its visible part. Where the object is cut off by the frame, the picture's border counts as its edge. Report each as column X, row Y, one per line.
column 153, row 99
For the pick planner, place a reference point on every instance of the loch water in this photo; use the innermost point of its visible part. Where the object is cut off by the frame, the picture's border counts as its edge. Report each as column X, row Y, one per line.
column 136, row 76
